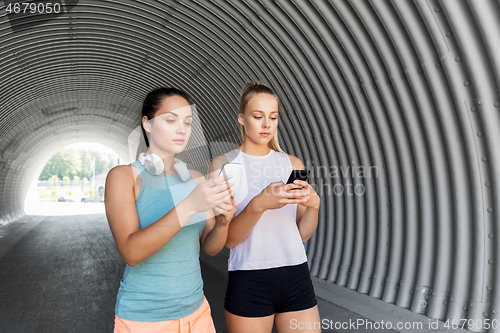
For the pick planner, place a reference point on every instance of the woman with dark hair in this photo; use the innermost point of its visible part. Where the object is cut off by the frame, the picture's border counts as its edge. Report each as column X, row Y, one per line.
column 269, row 280
column 160, row 213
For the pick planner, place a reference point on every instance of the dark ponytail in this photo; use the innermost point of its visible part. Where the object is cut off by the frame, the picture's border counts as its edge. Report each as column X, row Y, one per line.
column 153, row 100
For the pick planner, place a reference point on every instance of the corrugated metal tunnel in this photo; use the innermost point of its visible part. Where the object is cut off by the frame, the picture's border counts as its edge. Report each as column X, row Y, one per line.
column 394, row 105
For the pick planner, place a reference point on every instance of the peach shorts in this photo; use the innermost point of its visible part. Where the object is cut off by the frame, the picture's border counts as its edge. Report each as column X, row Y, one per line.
column 199, row 321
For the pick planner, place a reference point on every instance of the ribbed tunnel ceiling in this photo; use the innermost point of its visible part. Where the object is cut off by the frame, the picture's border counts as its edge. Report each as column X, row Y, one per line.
column 408, row 88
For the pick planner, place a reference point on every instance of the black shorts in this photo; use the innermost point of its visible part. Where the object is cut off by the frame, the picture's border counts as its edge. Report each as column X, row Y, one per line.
column 263, row 292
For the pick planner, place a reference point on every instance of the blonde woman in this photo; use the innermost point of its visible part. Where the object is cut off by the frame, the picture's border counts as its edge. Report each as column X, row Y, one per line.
column 269, row 280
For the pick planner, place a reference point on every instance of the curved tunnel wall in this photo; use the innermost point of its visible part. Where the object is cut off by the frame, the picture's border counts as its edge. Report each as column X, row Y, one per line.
column 394, row 105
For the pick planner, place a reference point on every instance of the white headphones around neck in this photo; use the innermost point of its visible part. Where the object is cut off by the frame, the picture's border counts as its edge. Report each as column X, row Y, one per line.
column 154, row 164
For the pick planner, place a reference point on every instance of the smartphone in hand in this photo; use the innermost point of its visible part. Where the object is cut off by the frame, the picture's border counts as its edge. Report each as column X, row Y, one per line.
column 298, row 174
column 230, row 169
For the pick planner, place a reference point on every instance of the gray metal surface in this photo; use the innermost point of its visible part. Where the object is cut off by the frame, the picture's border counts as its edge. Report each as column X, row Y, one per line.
column 408, row 88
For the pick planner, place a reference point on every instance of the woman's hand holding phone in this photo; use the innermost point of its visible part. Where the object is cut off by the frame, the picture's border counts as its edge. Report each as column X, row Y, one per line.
column 225, row 211
column 279, row 194
column 210, row 193
column 312, row 198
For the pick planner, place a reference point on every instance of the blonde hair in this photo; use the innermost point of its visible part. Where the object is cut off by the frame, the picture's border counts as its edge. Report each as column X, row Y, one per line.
column 250, row 90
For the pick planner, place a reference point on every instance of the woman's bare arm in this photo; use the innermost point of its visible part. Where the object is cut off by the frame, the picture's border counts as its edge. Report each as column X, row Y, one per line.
column 307, row 213
column 275, row 195
column 133, row 243
column 242, row 225
column 215, row 233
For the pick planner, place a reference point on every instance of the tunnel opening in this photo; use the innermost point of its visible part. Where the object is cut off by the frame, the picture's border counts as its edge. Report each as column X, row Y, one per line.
column 72, row 182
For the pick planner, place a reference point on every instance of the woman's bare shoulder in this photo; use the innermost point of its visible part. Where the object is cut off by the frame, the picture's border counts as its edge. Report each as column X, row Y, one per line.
column 296, row 162
column 121, row 173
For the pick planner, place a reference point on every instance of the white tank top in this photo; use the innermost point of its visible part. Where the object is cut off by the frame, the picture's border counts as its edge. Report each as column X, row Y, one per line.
column 275, row 240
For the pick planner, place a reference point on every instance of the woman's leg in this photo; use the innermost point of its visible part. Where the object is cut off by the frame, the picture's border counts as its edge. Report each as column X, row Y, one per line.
column 298, row 311
column 238, row 324
column 299, row 321
column 250, row 300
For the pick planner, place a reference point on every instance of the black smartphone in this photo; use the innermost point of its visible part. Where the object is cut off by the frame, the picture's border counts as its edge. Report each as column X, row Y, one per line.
column 298, row 174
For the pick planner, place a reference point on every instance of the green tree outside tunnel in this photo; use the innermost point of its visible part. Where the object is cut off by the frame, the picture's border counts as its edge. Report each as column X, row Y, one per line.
column 76, row 163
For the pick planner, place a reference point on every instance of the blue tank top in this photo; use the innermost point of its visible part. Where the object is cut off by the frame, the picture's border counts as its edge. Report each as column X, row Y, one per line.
column 167, row 285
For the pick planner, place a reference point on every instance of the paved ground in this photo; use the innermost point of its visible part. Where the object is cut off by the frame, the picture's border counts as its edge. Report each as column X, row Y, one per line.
column 61, row 274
